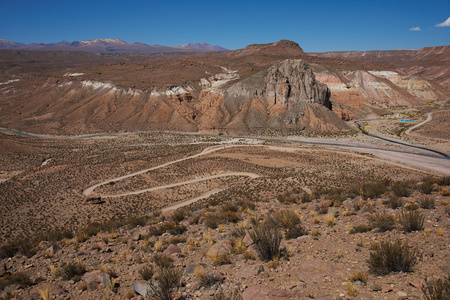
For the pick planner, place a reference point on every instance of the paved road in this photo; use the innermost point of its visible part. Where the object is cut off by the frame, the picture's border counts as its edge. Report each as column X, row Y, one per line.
column 401, row 143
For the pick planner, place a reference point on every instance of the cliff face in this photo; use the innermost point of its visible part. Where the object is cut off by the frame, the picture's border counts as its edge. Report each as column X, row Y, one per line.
column 285, row 95
column 284, row 83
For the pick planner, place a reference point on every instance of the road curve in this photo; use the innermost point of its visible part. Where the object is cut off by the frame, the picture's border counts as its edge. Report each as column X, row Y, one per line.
column 251, row 175
column 208, row 150
column 429, row 118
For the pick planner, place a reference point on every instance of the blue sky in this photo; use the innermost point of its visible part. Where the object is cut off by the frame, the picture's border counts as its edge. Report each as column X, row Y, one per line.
column 316, row 25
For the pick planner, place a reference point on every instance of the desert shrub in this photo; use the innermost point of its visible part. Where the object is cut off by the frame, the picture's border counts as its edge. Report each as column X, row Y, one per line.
column 382, row 221
column 147, row 273
column 246, row 204
column 411, row 220
column 137, row 221
column 162, row 261
column 427, row 202
column 392, row 256
column 229, row 216
column 445, row 180
column 177, row 240
column 229, row 207
column 176, row 229
column 322, row 210
column 7, row 250
column 401, row 188
column 287, row 218
column 73, row 270
column 228, row 295
column 359, row 276
column 178, row 216
column 20, row 278
column 211, row 222
column 437, row 289
column 361, row 228
column 266, row 238
column 167, row 280
column 56, row 235
column 427, row 186
column 220, row 259
column 295, row 231
column 287, row 198
column 393, row 202
column 209, row 279
column 239, row 232
column 375, row 189
column 306, row 198
column 170, row 227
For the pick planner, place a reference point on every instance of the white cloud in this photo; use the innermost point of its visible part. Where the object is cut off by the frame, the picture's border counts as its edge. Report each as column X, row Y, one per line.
column 444, row 24
column 415, row 29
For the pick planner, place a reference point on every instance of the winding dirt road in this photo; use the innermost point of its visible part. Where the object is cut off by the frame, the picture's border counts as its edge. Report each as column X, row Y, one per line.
column 429, row 118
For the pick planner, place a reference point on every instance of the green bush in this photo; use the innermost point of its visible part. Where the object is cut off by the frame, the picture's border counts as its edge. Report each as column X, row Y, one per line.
column 392, row 256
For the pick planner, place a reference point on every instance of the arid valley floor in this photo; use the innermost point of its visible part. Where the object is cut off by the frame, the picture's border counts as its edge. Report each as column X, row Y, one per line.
column 259, row 173
column 327, row 189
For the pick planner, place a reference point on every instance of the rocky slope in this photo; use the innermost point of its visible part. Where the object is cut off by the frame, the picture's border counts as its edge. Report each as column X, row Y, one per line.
column 283, row 96
column 324, row 251
column 241, row 91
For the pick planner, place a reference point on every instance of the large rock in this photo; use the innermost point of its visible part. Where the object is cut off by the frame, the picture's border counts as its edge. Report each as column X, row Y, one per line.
column 223, row 247
column 94, row 278
column 261, row 292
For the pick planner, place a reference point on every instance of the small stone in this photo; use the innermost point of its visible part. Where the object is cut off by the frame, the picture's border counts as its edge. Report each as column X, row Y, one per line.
column 418, row 285
column 401, row 295
column 387, row 289
column 92, row 279
column 141, row 287
column 247, row 240
column 172, row 249
column 376, row 288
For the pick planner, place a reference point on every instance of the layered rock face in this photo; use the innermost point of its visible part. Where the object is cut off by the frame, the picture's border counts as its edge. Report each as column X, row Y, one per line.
column 286, row 95
column 284, row 83
column 283, row 96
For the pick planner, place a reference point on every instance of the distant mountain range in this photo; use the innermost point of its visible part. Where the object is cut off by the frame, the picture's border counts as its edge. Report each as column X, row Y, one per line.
column 109, row 46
